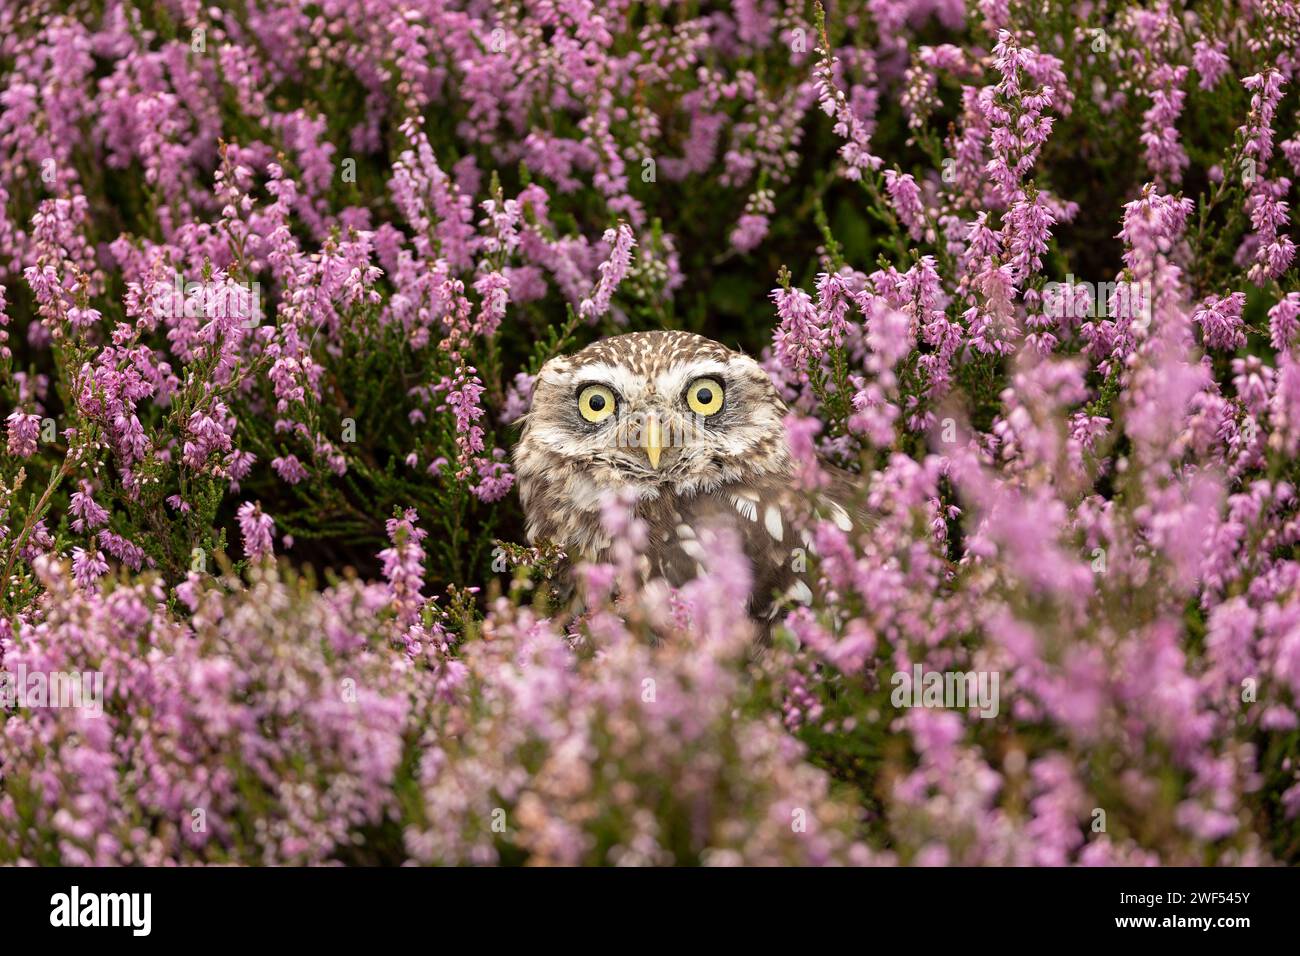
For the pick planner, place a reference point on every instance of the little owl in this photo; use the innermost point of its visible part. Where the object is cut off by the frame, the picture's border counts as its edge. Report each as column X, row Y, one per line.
column 694, row 431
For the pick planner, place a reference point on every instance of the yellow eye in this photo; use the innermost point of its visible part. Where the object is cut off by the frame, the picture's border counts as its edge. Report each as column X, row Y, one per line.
column 595, row 403
column 704, row 396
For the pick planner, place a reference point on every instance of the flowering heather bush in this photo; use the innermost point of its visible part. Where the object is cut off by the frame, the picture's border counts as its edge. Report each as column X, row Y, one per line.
column 275, row 280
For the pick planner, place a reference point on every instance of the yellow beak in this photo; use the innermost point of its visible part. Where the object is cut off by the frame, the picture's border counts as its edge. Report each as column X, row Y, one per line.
column 654, row 441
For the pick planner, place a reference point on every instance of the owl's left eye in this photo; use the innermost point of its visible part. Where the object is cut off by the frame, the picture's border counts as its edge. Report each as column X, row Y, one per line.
column 595, row 403
column 704, row 396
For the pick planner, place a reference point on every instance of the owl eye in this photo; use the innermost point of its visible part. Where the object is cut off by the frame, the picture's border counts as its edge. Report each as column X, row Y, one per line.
column 595, row 403
column 704, row 396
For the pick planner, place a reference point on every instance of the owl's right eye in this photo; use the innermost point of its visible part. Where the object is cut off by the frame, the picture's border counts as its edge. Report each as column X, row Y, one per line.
column 595, row 403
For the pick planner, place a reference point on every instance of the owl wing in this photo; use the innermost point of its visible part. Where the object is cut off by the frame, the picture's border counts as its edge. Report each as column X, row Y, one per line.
column 763, row 516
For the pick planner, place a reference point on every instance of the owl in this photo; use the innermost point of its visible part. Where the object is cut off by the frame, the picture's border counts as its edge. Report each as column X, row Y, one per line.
column 693, row 430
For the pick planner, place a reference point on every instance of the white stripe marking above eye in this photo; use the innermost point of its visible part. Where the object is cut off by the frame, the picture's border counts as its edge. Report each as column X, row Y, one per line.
column 772, row 521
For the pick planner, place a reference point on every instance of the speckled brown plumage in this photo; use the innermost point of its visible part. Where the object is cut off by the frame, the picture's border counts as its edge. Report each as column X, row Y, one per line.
column 726, row 469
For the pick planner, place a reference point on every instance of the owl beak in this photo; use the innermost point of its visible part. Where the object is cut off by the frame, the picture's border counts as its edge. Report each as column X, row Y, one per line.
column 654, row 441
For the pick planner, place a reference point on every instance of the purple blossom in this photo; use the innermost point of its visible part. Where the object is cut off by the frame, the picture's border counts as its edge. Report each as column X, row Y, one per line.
column 800, row 337
column 289, row 468
column 89, row 515
column 905, row 197
column 1220, row 321
column 404, row 565
column 612, row 272
column 1283, row 322
column 257, row 530
column 88, row 567
column 23, row 432
column 1211, row 62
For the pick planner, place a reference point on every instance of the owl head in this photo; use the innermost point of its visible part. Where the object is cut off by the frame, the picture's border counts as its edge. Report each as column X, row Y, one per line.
column 657, row 412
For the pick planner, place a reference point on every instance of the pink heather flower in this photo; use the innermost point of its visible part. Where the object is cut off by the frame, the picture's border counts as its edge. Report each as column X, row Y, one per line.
column 874, row 415
column 1290, row 149
column 801, row 434
column 88, row 567
column 5, row 353
column 256, row 529
column 612, row 271
column 23, row 432
column 502, row 223
column 1210, row 61
column 431, row 202
column 1283, row 322
column 800, row 337
column 1270, row 217
column 129, row 553
column 289, row 468
column 82, row 318
column 905, row 197
column 993, row 328
column 88, row 514
column 835, row 299
column 1028, row 230
column 619, row 520
column 494, row 477
column 1273, row 249
column 1014, row 110
column 238, row 464
column 1252, row 380
column 519, row 398
column 750, row 230
column 463, row 395
column 1285, row 405
column 494, row 288
column 856, row 150
column 1165, row 155
column 403, row 564
column 1266, row 89
column 1152, row 228
column 889, row 336
column 1220, row 321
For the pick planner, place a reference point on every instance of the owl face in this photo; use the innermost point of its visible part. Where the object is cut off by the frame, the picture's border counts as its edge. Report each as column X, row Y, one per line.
column 660, row 412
